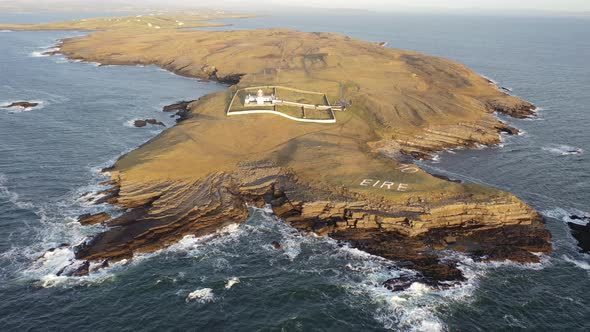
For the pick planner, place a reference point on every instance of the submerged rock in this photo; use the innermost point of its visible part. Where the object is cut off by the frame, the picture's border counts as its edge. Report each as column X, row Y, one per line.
column 277, row 245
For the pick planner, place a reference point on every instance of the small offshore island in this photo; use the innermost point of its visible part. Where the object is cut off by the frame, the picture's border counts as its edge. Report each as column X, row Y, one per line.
column 351, row 179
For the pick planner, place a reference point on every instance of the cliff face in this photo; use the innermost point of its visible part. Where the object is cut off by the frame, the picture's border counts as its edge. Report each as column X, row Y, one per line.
column 351, row 180
column 498, row 228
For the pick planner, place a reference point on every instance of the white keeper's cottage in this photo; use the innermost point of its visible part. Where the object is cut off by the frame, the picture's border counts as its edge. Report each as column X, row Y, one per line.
column 260, row 99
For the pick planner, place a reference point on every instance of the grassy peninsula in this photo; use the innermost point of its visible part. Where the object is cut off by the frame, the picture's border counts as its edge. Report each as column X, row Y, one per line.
column 353, row 180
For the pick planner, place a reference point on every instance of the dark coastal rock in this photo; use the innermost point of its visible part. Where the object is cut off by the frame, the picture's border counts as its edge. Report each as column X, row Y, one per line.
column 23, row 104
column 143, row 123
column 582, row 218
column 211, row 73
column 181, row 105
column 182, row 109
column 582, row 234
column 75, row 269
column 230, row 79
column 405, row 281
column 155, row 122
column 446, row 178
column 277, row 245
column 109, row 196
column 509, row 130
column 513, row 107
column 62, row 245
column 50, row 53
column 400, row 283
column 92, row 219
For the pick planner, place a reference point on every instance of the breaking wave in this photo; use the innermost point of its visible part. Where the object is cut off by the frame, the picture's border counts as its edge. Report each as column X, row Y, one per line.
column 202, row 295
column 563, row 149
column 130, row 123
column 13, row 197
column 584, row 265
column 232, row 282
column 572, row 215
column 44, row 52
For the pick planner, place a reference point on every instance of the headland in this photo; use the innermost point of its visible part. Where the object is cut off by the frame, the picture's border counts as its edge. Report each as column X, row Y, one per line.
column 352, row 179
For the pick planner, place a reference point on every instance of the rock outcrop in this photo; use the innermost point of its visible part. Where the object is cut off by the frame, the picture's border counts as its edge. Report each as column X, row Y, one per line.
column 182, row 109
column 143, row 123
column 92, row 219
column 581, row 232
column 23, row 104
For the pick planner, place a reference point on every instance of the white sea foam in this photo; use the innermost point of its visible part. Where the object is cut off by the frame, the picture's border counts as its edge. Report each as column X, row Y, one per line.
column 5, row 31
column 130, row 123
column 11, row 196
column 584, row 265
column 193, row 245
column 43, row 52
column 563, row 149
column 46, row 270
column 89, row 199
column 409, row 310
column 232, row 282
column 414, row 309
column 58, row 229
column 202, row 295
column 565, row 215
column 489, row 79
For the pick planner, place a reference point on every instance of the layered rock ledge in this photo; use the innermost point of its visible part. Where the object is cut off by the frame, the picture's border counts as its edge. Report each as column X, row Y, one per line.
column 353, row 180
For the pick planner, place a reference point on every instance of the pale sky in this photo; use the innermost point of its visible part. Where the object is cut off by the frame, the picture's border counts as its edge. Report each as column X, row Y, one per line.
column 544, row 5
column 521, row 6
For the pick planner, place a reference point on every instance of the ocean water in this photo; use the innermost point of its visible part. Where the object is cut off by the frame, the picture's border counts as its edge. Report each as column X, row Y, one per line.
column 51, row 155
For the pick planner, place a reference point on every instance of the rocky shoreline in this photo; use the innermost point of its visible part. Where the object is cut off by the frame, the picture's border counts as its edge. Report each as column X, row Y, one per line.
column 411, row 236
